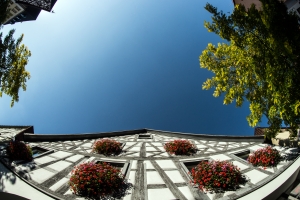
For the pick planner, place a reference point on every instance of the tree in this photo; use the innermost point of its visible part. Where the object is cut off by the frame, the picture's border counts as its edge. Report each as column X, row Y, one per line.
column 13, row 59
column 259, row 63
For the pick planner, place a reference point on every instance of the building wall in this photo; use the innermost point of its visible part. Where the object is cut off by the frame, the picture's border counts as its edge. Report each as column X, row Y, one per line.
column 248, row 3
column 14, row 11
column 292, row 5
column 153, row 172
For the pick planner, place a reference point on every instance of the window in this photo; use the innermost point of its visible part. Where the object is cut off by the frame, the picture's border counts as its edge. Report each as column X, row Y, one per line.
column 17, row 7
column 123, row 166
column 39, row 151
column 188, row 164
column 191, row 164
column 243, row 154
column 145, row 136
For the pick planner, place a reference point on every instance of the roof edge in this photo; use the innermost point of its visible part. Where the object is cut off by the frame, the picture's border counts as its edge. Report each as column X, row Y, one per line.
column 80, row 136
column 212, row 137
column 63, row 137
column 15, row 126
column 181, row 133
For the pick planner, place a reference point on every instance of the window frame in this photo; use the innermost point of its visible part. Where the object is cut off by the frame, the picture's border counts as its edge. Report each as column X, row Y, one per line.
column 125, row 169
column 46, row 151
column 148, row 136
column 241, row 152
column 185, row 169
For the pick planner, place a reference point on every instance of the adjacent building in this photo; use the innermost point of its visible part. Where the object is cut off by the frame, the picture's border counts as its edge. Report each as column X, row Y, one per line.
column 27, row 10
column 292, row 5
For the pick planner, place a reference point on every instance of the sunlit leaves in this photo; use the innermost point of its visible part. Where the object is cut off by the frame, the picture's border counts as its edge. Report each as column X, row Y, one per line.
column 13, row 59
column 260, row 62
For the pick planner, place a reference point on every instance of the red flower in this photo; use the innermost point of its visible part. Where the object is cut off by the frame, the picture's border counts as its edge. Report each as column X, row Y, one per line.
column 87, row 181
column 216, row 175
column 265, row 157
column 107, row 147
column 180, row 147
column 18, row 150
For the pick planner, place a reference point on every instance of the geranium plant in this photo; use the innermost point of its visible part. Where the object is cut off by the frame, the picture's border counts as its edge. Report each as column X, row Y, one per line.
column 18, row 150
column 265, row 157
column 216, row 176
column 96, row 180
column 180, row 147
column 107, row 147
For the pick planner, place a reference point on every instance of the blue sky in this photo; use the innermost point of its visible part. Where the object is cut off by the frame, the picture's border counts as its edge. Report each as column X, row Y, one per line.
column 121, row 65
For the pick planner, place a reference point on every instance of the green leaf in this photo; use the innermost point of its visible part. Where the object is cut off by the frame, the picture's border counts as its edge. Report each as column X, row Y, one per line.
column 259, row 63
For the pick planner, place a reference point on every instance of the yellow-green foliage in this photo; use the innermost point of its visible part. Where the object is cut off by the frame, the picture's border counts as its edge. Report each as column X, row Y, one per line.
column 259, row 63
column 13, row 59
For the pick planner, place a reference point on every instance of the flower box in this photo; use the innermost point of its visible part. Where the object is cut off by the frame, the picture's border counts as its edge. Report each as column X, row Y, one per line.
column 17, row 150
column 180, row 147
column 97, row 180
column 265, row 157
column 216, row 176
column 107, row 147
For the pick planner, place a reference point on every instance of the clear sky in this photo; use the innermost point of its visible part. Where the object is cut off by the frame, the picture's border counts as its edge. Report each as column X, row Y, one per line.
column 112, row 65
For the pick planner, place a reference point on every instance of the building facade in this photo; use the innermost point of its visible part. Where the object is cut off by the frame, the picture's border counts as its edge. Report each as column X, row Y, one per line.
column 153, row 172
